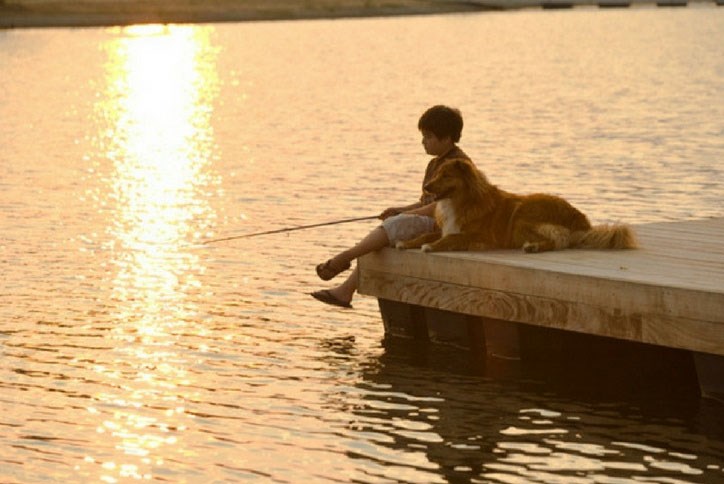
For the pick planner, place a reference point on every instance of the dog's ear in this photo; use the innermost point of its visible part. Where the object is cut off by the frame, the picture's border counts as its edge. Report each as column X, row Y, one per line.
column 468, row 171
column 462, row 165
column 463, row 169
column 477, row 183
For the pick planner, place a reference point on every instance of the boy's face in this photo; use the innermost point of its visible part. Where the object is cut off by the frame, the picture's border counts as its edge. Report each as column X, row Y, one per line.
column 435, row 146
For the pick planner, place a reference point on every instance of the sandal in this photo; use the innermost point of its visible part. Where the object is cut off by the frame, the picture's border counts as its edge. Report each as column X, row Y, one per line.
column 328, row 298
column 326, row 271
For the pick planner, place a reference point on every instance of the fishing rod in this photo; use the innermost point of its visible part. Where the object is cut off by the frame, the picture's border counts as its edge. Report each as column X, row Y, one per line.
column 292, row 229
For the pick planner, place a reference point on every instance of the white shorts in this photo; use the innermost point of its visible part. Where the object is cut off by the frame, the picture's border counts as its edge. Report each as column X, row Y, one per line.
column 406, row 226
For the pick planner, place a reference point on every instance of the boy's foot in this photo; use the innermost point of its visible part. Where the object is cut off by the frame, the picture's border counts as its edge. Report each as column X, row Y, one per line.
column 328, row 298
column 327, row 271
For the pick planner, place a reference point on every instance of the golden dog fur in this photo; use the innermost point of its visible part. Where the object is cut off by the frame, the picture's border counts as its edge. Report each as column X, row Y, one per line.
column 475, row 215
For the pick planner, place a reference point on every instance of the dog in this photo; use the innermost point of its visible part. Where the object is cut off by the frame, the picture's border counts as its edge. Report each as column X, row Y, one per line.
column 473, row 214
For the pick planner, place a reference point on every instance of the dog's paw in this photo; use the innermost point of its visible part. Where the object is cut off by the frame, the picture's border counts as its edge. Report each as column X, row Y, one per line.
column 426, row 248
column 531, row 247
column 400, row 245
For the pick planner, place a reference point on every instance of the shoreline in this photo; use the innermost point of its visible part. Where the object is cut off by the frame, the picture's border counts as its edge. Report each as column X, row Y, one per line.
column 17, row 14
column 49, row 13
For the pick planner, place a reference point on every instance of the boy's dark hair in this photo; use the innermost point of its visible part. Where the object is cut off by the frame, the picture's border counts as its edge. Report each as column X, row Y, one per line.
column 442, row 121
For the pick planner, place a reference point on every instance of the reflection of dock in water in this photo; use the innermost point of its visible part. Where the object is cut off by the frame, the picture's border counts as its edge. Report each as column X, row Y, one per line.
column 667, row 296
column 425, row 412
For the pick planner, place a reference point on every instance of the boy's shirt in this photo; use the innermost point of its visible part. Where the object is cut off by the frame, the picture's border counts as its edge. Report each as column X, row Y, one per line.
column 432, row 168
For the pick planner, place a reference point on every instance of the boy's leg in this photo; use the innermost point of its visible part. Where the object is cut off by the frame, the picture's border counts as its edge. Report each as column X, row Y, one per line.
column 342, row 293
column 375, row 240
column 399, row 227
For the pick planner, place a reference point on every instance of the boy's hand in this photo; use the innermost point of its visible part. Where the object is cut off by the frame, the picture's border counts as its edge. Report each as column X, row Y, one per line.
column 389, row 212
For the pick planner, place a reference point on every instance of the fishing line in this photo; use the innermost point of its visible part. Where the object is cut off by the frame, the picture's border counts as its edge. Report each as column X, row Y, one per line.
column 291, row 229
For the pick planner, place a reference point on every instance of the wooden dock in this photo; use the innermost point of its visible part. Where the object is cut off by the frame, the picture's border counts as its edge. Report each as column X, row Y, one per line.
column 668, row 293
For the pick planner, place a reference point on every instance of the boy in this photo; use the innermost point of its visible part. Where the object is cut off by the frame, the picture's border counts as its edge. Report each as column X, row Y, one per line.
column 441, row 127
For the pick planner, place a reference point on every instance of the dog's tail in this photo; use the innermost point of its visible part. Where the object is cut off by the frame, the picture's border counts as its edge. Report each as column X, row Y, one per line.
column 616, row 236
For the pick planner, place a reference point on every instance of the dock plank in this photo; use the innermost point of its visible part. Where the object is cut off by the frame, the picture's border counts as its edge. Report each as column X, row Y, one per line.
column 669, row 292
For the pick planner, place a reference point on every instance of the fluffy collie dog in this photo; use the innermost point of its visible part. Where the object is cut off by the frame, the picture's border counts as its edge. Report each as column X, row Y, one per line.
column 473, row 214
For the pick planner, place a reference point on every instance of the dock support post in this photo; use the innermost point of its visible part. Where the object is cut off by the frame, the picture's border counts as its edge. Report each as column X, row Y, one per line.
column 454, row 329
column 497, row 340
column 710, row 371
column 403, row 320
column 502, row 347
column 502, row 339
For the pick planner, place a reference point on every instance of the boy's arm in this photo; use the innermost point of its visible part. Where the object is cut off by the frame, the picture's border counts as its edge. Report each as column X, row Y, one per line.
column 426, row 210
column 413, row 209
column 389, row 212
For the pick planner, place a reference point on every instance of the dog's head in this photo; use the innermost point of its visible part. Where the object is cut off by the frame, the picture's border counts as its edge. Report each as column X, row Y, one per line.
column 458, row 177
column 451, row 178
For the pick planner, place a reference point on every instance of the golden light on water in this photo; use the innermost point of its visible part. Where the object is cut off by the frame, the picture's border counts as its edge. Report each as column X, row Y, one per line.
column 157, row 113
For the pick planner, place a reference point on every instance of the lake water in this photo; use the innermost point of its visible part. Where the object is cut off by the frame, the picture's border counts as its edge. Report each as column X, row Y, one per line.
column 130, row 351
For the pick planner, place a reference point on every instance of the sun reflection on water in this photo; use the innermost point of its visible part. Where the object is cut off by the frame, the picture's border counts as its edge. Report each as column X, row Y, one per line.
column 158, row 137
